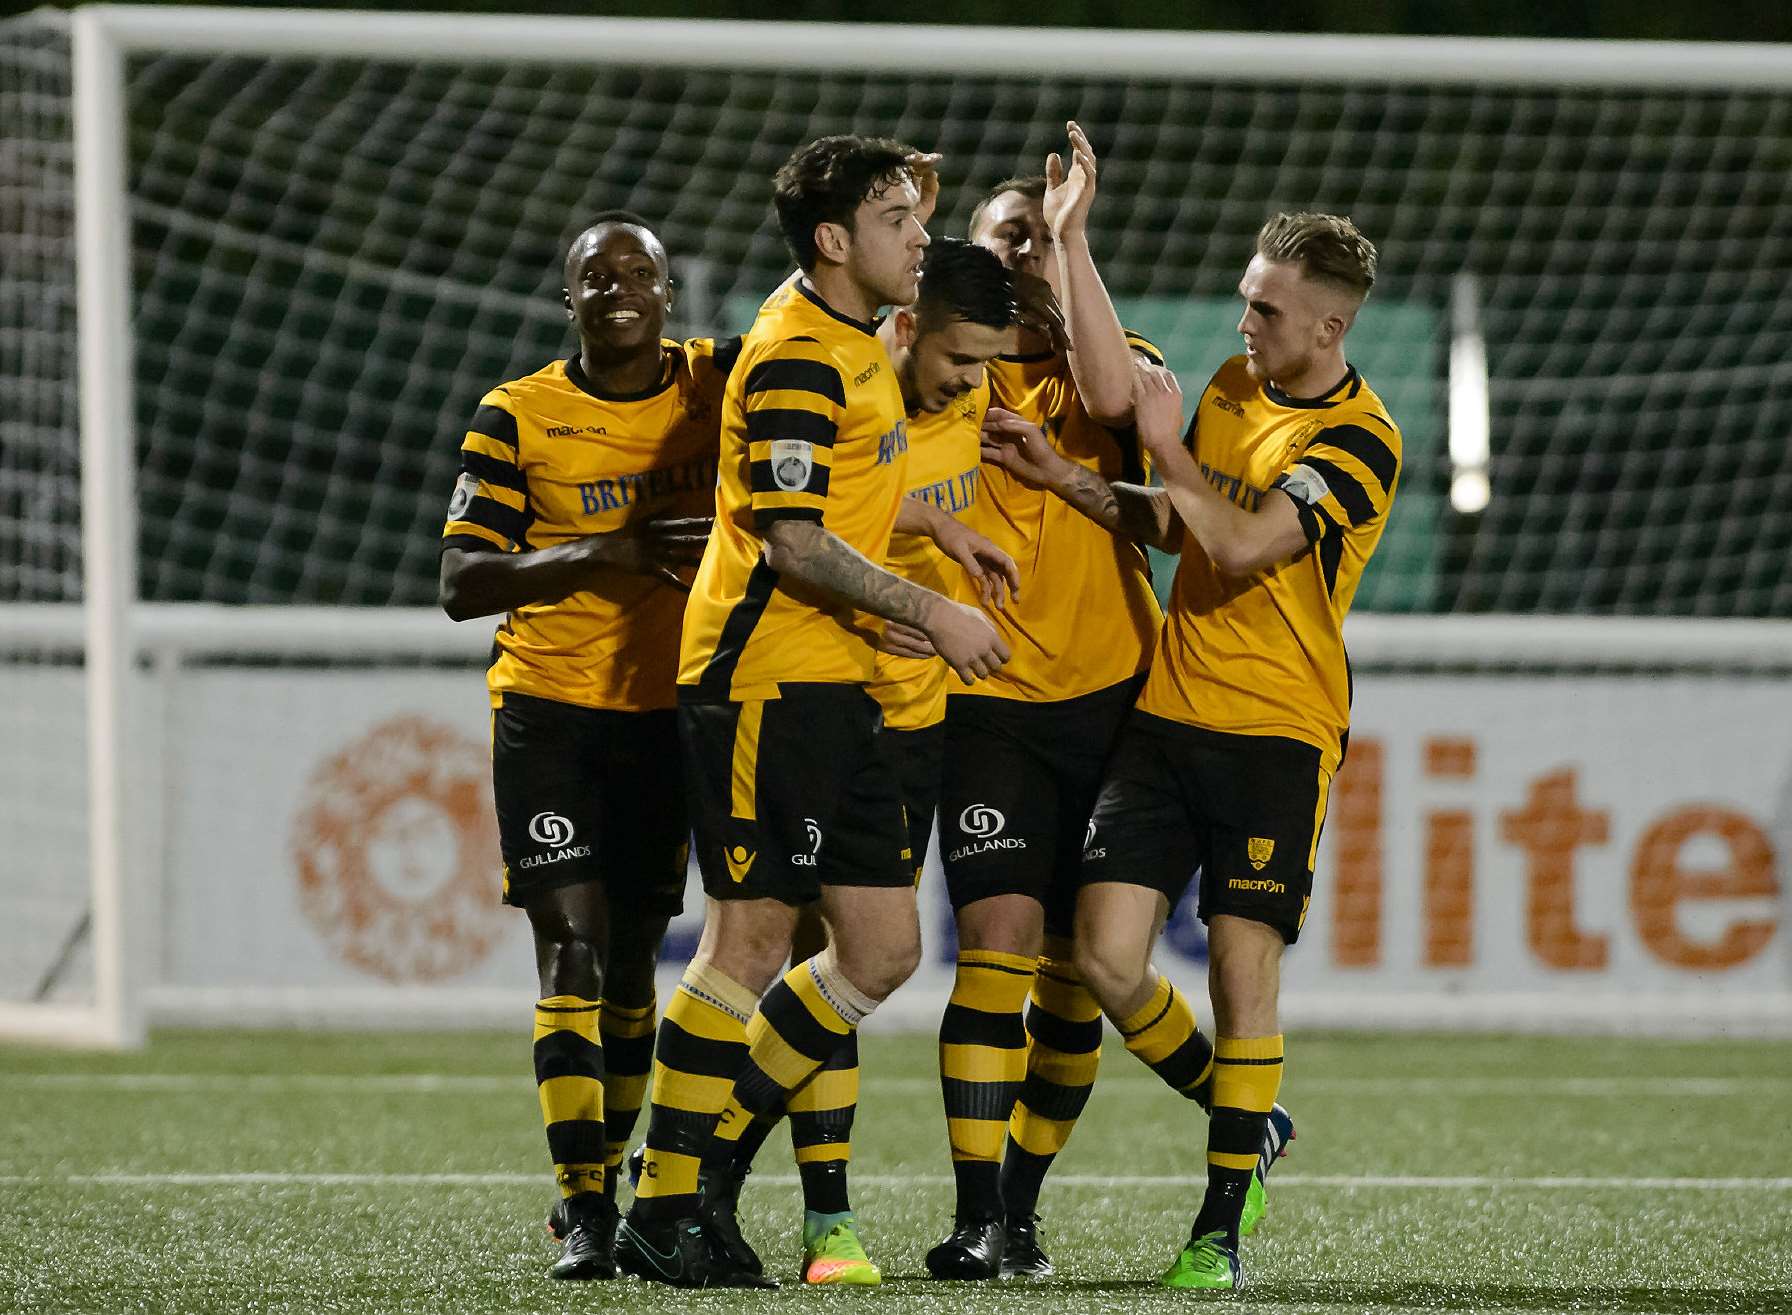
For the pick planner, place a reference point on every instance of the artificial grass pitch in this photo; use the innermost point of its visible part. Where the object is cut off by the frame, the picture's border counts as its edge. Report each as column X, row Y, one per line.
column 274, row 1172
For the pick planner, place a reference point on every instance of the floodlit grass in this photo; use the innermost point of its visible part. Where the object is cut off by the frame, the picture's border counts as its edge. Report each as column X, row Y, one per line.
column 202, row 1176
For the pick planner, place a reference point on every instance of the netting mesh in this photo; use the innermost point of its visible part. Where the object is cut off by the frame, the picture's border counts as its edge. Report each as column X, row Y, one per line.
column 334, row 259
column 43, row 836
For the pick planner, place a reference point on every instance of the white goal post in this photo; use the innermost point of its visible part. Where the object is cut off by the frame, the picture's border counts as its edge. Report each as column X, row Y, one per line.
column 136, row 656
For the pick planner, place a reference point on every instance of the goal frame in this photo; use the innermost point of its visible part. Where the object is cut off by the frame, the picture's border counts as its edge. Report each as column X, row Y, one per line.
column 113, row 632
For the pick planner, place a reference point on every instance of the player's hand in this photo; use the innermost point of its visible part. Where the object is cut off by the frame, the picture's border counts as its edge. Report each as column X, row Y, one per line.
column 965, row 638
column 657, row 546
column 994, row 571
column 1069, row 192
column 1021, row 448
column 901, row 640
column 923, row 167
column 1157, row 409
column 1039, row 311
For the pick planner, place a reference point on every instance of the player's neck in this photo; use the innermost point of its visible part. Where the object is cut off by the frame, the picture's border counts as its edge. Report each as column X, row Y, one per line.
column 623, row 376
column 1318, row 380
column 1028, row 343
column 841, row 293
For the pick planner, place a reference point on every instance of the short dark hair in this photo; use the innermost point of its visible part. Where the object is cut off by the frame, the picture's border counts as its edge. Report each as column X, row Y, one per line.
column 1328, row 248
column 825, row 181
column 1031, row 186
column 601, row 218
column 963, row 281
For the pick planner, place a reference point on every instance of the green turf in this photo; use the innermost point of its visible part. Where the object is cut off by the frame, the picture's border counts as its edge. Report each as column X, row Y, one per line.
column 1480, row 1107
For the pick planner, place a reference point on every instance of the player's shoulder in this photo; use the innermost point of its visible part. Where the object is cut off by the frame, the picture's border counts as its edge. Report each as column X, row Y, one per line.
column 1360, row 407
column 1143, row 346
column 708, row 362
column 526, row 392
column 1233, row 381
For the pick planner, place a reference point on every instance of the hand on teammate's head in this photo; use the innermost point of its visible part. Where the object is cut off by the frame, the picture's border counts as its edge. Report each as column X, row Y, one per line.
column 1038, row 310
column 923, row 167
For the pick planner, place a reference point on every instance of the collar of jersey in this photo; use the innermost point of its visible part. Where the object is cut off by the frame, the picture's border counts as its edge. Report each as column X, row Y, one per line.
column 575, row 375
column 1351, row 381
column 826, row 309
column 1029, row 358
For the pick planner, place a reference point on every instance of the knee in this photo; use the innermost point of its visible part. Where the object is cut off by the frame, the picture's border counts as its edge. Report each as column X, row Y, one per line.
column 1110, row 967
column 573, row 963
column 878, row 967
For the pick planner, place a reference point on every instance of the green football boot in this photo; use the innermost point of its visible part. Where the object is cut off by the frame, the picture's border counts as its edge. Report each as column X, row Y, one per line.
column 1277, row 1133
column 833, row 1254
column 1206, row 1263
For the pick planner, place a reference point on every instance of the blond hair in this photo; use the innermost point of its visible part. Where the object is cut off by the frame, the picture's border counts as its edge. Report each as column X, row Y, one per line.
column 1326, row 247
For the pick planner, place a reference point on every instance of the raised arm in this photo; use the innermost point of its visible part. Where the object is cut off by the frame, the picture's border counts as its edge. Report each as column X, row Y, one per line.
column 1131, row 511
column 1100, row 359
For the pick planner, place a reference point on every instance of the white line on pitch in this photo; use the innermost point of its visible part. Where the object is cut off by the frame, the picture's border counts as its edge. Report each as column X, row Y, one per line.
column 455, row 1083
column 1109, row 1182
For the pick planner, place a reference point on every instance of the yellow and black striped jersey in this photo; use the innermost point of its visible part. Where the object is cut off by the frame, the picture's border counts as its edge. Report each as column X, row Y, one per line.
column 943, row 454
column 1265, row 655
column 548, row 459
column 813, row 428
column 1087, row 617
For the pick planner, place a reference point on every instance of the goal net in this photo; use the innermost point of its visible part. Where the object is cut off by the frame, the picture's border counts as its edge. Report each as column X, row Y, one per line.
column 343, row 228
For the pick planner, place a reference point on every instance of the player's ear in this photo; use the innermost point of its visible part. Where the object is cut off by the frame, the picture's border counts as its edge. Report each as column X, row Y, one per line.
column 566, row 300
column 903, row 325
column 832, row 242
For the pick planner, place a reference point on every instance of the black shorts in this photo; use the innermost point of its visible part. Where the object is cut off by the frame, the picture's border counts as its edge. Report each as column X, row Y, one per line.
column 1018, row 785
column 917, row 757
column 590, row 794
column 792, row 794
column 1242, row 811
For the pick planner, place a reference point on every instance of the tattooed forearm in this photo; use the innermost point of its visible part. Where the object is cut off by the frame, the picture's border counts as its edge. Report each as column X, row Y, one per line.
column 1131, row 511
column 822, row 560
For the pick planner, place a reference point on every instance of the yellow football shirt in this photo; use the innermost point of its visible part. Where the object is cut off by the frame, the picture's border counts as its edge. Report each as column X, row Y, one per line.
column 1087, row 617
column 548, row 459
column 1265, row 655
column 813, row 428
column 943, row 454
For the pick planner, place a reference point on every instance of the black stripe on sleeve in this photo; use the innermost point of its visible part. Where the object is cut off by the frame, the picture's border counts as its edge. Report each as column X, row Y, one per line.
column 1331, row 553
column 799, row 375
column 788, row 422
column 495, row 422
column 763, row 481
column 498, row 518
column 725, row 354
column 1351, row 496
column 1143, row 346
column 490, row 470
column 1366, row 448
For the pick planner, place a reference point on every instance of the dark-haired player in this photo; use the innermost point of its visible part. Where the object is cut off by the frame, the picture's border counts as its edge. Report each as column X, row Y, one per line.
column 584, row 487
column 1277, row 496
column 939, row 348
column 1025, row 749
column 794, row 797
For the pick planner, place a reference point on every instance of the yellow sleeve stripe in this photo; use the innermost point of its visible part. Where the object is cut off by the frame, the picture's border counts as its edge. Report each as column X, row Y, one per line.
column 454, row 529
column 773, row 501
column 508, row 497
column 793, row 399
column 487, row 446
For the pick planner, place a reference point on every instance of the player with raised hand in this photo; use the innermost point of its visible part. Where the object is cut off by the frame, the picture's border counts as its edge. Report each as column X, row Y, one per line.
column 584, row 489
column 1278, row 496
column 1025, row 750
column 794, row 798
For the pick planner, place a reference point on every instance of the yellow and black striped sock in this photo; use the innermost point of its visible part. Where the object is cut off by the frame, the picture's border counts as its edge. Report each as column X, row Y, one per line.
column 1063, row 1054
column 701, row 1046
column 798, row 1026
column 983, row 1059
column 1247, row 1074
column 628, row 1060
column 569, row 1079
column 821, row 1114
column 1163, row 1034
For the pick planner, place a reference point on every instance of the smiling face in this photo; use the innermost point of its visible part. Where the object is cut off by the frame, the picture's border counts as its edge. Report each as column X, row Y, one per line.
column 1012, row 224
column 617, row 289
column 937, row 363
column 883, row 245
column 1291, row 323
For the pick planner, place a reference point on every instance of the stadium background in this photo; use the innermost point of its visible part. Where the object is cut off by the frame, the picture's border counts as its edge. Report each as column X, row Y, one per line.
column 331, row 260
